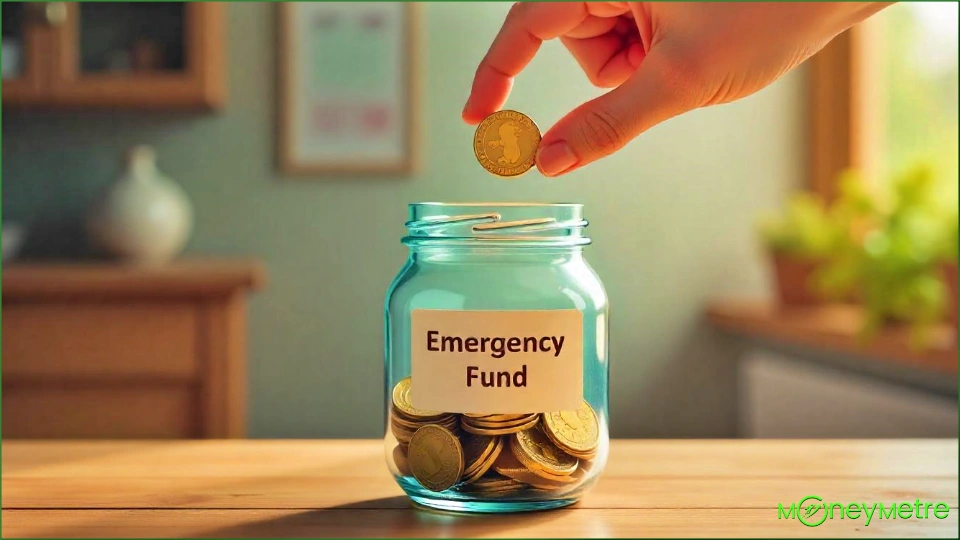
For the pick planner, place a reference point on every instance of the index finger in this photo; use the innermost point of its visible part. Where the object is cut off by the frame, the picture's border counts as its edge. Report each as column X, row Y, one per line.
column 526, row 27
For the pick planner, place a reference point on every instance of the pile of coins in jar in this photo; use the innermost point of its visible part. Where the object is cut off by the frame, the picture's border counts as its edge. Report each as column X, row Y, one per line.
column 493, row 454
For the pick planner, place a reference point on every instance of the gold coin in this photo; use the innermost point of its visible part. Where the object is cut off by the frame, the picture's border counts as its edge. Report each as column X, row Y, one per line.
column 494, row 484
column 498, row 431
column 400, row 460
column 506, row 143
column 508, row 465
column 556, row 485
column 514, row 469
column 576, row 432
column 452, row 423
column 435, row 457
column 476, row 449
column 401, row 402
column 483, row 466
column 535, row 450
column 498, row 424
column 512, row 488
column 497, row 417
column 402, row 433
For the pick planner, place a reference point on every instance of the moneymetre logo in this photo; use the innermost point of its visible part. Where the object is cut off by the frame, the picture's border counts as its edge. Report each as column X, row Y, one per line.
column 812, row 511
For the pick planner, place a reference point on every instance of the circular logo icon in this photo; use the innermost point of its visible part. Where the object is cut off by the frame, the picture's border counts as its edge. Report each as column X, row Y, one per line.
column 811, row 512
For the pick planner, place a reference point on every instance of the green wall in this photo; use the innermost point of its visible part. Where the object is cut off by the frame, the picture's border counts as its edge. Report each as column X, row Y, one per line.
column 671, row 219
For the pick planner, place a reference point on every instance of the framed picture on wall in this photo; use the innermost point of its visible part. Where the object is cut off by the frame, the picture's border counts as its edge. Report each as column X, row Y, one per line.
column 347, row 96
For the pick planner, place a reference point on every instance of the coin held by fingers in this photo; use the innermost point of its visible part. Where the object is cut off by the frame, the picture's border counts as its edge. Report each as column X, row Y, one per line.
column 506, row 143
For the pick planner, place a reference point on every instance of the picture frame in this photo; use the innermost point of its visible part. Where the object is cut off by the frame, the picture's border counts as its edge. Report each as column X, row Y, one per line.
column 353, row 113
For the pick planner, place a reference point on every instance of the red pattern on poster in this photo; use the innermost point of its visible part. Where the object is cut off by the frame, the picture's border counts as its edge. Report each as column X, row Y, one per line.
column 327, row 117
column 367, row 119
column 376, row 119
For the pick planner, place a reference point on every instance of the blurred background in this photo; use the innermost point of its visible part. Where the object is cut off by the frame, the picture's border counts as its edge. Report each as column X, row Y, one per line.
column 203, row 205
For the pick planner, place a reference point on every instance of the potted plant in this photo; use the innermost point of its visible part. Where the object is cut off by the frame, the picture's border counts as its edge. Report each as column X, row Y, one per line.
column 798, row 240
column 855, row 213
column 892, row 263
column 948, row 265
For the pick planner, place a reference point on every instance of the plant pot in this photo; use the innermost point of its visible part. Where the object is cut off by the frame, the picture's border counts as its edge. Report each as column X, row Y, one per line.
column 793, row 280
column 949, row 273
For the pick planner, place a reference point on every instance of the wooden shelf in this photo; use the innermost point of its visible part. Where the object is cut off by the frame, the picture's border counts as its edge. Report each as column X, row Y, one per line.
column 178, row 279
column 834, row 327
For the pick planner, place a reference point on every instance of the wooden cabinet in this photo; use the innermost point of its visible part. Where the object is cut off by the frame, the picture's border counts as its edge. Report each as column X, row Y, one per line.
column 104, row 351
column 154, row 55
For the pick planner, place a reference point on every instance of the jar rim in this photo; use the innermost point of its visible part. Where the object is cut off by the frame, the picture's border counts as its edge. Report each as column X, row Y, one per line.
column 506, row 204
column 509, row 223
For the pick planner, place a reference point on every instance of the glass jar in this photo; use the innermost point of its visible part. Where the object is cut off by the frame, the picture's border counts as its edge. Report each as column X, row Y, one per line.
column 496, row 359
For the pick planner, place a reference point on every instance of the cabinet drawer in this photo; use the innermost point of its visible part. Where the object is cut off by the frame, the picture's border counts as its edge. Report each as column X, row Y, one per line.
column 112, row 340
column 160, row 412
column 788, row 398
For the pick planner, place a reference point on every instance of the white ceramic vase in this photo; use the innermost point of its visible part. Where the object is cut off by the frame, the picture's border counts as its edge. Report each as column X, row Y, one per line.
column 143, row 217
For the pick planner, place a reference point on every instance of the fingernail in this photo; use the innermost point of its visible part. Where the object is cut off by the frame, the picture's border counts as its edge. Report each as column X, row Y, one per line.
column 556, row 158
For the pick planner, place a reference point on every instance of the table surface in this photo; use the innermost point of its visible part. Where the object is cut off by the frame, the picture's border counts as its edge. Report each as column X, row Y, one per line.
column 342, row 488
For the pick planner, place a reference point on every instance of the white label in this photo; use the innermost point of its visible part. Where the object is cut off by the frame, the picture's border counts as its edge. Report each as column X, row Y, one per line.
column 496, row 362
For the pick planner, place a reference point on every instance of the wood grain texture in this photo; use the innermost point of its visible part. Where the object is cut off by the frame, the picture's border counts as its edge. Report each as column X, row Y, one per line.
column 843, row 104
column 54, row 78
column 93, row 341
column 342, row 488
column 31, row 86
column 835, row 328
column 183, row 278
column 87, row 411
column 224, row 343
column 112, row 351
column 406, row 523
column 201, row 85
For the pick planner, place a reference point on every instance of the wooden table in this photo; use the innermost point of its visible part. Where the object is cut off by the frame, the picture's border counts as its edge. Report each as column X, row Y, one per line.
column 342, row 488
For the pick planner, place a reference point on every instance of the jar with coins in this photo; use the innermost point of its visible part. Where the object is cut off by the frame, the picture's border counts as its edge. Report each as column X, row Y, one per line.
column 496, row 359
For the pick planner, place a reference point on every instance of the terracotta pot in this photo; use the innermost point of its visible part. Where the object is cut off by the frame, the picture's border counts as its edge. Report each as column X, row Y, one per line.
column 793, row 280
column 949, row 273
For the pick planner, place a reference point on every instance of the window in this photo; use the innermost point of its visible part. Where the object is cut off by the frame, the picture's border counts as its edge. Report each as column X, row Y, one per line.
column 884, row 95
column 918, row 58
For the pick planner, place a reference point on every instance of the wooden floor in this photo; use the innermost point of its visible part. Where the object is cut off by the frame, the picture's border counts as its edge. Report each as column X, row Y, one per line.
column 342, row 488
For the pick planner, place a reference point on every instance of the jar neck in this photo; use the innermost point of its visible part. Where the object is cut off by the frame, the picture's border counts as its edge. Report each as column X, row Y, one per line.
column 540, row 255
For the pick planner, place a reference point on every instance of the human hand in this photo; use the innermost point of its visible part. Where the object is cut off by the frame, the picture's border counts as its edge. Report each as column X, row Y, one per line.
column 659, row 59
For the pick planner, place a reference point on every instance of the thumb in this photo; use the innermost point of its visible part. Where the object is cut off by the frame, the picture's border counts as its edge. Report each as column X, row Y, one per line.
column 655, row 92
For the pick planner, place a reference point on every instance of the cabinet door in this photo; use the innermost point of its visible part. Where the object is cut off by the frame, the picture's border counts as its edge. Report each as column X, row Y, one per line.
column 27, row 32
column 157, row 55
column 782, row 397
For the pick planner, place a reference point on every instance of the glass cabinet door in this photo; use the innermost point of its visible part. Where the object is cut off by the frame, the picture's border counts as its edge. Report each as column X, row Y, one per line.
column 121, row 39
column 151, row 54
column 27, row 29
